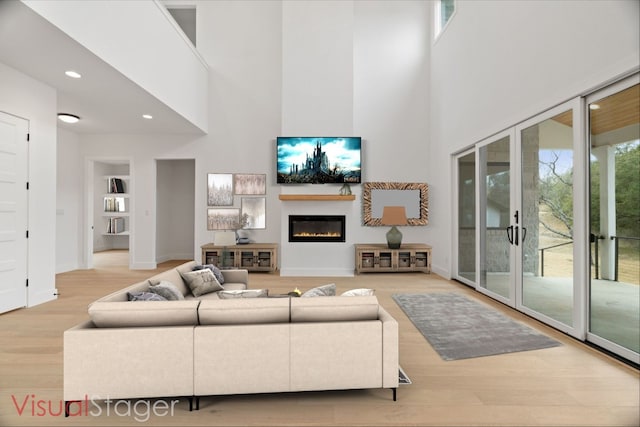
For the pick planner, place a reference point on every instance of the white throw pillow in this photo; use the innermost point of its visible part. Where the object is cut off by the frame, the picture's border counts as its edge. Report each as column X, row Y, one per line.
column 358, row 292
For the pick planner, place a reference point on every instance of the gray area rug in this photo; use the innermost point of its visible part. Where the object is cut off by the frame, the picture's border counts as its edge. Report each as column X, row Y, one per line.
column 460, row 328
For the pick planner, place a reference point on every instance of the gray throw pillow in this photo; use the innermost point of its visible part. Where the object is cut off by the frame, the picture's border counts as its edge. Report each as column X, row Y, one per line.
column 166, row 289
column 215, row 270
column 201, row 282
column 246, row 293
column 144, row 296
column 321, row 291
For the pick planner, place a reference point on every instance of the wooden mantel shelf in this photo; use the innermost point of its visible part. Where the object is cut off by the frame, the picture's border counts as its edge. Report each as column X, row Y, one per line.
column 316, row 197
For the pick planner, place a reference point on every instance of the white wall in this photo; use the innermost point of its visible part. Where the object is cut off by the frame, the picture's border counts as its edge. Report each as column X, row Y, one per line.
column 355, row 68
column 22, row 96
column 277, row 68
column 69, row 184
column 499, row 63
column 158, row 58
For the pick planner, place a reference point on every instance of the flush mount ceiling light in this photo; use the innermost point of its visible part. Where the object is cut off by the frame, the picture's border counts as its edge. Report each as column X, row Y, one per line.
column 594, row 107
column 147, row 116
column 73, row 74
column 68, row 118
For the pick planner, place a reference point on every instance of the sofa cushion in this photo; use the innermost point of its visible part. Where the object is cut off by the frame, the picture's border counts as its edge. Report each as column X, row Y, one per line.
column 201, row 282
column 243, row 311
column 321, row 291
column 334, row 309
column 215, row 270
column 145, row 296
column 152, row 313
column 166, row 289
column 360, row 292
column 248, row 293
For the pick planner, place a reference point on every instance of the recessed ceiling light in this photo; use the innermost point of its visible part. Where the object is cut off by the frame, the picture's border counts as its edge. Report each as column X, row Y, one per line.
column 73, row 74
column 147, row 116
column 68, row 118
column 594, row 107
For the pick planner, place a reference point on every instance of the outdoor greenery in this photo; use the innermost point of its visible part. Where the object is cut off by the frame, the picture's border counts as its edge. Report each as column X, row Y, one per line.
column 627, row 191
column 556, row 191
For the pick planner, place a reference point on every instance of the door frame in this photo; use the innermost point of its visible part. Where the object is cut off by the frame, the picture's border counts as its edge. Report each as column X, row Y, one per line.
column 22, row 128
column 589, row 99
column 89, row 225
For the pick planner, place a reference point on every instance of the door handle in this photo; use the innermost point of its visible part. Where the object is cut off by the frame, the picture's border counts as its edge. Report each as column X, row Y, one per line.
column 510, row 234
column 516, row 235
column 524, row 234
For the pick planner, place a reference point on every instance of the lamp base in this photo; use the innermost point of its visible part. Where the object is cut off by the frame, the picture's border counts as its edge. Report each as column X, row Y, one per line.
column 394, row 238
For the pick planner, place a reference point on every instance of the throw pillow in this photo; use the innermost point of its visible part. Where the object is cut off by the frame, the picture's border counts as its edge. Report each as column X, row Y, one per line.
column 247, row 293
column 144, row 296
column 215, row 270
column 166, row 289
column 201, row 282
column 321, row 291
column 358, row 292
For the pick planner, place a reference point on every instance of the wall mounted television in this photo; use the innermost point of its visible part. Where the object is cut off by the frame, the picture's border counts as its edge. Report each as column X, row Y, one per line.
column 319, row 160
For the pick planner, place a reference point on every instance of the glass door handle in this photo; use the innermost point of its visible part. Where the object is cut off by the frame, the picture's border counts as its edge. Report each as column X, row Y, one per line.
column 516, row 235
column 510, row 234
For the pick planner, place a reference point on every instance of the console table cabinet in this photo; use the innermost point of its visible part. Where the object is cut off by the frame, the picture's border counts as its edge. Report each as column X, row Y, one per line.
column 378, row 258
column 251, row 257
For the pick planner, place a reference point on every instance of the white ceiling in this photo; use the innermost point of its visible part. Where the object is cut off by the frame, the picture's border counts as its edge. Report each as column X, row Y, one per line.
column 105, row 100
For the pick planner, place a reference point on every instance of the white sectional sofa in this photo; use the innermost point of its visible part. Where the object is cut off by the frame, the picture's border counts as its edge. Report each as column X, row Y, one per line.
column 210, row 346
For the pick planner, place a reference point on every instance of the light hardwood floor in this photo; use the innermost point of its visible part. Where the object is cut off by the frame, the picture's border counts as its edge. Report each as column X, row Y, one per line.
column 570, row 385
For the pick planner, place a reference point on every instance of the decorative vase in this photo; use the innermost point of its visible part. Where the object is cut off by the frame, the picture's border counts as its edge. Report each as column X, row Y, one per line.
column 394, row 238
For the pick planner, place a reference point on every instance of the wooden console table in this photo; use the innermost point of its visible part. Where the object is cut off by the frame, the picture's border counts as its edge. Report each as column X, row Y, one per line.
column 251, row 257
column 378, row 258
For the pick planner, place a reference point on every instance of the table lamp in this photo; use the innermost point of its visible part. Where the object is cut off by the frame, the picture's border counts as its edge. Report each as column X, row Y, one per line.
column 394, row 215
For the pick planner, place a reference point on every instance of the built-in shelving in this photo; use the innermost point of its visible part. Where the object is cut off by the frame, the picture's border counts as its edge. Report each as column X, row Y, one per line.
column 116, row 207
column 316, row 197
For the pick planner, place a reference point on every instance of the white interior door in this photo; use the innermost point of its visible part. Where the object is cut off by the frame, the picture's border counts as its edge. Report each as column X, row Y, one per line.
column 13, row 212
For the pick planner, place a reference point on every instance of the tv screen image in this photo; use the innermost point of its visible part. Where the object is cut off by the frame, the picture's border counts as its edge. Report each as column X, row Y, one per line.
column 319, row 160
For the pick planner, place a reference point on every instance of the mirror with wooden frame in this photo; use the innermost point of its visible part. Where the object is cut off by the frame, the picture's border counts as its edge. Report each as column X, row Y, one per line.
column 413, row 196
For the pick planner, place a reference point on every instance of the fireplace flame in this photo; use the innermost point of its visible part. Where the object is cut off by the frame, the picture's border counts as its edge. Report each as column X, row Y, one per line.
column 307, row 234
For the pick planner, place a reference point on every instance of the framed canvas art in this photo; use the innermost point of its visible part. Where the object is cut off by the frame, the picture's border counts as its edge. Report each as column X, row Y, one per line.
column 256, row 210
column 250, row 184
column 223, row 218
column 219, row 189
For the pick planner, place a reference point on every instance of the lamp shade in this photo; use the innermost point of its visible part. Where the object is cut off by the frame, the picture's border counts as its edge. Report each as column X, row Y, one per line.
column 394, row 215
column 224, row 238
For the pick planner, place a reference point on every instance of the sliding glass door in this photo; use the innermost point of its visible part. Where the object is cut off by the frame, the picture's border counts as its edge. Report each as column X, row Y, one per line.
column 553, row 225
column 520, row 223
column 496, row 254
column 545, row 215
column 614, row 141
column 466, row 236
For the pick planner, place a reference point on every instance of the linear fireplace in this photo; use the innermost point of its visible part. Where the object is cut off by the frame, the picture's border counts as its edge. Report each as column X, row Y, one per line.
column 316, row 228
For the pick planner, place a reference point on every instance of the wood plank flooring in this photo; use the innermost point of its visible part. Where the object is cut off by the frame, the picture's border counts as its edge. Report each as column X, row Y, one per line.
column 570, row 385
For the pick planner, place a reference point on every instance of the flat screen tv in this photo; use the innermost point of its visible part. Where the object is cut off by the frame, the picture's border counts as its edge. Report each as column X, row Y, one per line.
column 319, row 160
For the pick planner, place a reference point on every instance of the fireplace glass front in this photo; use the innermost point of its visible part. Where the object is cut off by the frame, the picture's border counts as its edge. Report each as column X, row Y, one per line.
column 316, row 228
